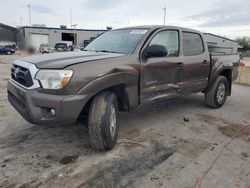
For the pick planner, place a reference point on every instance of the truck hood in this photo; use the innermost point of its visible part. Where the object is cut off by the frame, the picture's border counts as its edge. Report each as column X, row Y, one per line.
column 64, row 59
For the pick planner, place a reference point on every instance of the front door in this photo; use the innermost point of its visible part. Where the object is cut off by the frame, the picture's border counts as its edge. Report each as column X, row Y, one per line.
column 160, row 75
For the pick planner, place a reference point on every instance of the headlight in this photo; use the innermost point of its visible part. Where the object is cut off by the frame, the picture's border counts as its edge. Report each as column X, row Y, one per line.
column 54, row 79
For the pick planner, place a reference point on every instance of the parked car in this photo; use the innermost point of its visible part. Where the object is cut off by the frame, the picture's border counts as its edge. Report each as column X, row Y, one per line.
column 61, row 47
column 120, row 70
column 5, row 50
column 44, row 48
column 12, row 46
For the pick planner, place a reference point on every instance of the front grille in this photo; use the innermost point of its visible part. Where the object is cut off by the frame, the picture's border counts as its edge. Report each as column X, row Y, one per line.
column 21, row 75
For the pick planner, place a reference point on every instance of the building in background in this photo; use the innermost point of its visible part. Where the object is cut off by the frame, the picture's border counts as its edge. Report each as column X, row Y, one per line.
column 8, row 34
column 218, row 44
column 36, row 35
column 40, row 34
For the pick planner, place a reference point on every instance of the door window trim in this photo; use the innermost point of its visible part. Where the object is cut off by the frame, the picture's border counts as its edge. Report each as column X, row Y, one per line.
column 157, row 32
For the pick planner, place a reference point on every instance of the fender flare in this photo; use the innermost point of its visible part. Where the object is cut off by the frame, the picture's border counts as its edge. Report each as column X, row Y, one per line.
column 127, row 79
column 219, row 72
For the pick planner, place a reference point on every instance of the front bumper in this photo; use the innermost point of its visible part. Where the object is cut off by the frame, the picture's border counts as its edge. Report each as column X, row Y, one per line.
column 35, row 106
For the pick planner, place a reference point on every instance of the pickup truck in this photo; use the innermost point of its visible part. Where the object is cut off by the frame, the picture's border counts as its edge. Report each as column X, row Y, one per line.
column 118, row 71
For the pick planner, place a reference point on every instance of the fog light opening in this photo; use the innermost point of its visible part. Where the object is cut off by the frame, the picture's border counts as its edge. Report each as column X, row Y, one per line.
column 53, row 112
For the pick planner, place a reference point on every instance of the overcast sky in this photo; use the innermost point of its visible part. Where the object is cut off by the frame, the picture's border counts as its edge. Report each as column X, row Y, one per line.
column 229, row 18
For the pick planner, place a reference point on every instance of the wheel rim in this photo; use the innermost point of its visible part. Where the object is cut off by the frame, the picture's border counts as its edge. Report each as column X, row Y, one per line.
column 8, row 53
column 221, row 93
column 113, row 121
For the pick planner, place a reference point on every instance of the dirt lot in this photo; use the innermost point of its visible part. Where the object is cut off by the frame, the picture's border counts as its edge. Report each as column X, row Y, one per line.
column 156, row 147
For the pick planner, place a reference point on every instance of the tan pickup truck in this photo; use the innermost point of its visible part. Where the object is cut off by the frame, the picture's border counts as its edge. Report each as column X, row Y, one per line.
column 118, row 71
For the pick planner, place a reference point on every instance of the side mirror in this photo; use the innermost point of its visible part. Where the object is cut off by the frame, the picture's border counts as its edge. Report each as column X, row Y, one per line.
column 156, row 51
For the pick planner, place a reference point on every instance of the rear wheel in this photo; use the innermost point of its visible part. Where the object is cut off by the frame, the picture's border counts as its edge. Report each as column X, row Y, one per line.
column 217, row 94
column 103, row 121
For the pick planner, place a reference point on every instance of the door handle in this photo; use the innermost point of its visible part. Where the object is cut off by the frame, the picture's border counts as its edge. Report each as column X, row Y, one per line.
column 205, row 62
column 179, row 65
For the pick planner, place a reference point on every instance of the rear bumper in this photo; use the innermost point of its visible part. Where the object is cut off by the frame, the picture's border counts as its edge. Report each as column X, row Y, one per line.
column 35, row 106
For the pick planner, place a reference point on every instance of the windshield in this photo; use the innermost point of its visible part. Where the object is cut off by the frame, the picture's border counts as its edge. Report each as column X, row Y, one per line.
column 118, row 41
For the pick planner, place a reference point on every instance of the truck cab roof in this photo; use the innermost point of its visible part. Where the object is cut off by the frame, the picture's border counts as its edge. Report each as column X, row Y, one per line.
column 155, row 27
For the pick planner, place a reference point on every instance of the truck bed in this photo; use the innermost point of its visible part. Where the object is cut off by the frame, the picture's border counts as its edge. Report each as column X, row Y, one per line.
column 230, row 60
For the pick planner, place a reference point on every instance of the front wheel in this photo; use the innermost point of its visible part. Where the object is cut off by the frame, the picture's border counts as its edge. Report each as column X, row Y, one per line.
column 8, row 52
column 217, row 94
column 103, row 121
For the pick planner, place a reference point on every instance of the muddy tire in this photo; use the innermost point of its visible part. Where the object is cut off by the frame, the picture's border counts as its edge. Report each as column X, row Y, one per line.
column 103, row 121
column 217, row 94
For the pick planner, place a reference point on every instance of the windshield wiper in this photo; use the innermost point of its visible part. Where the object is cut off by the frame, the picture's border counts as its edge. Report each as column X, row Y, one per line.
column 107, row 51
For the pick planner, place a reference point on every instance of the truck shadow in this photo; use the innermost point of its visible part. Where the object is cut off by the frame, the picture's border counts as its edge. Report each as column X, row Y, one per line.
column 60, row 138
column 38, row 149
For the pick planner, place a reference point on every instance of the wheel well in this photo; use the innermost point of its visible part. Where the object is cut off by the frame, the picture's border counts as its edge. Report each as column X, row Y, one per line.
column 228, row 75
column 122, row 97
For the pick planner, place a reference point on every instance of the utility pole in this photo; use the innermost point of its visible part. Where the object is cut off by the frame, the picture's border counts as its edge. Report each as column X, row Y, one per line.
column 29, row 14
column 71, row 17
column 164, row 18
column 21, row 21
column 74, row 25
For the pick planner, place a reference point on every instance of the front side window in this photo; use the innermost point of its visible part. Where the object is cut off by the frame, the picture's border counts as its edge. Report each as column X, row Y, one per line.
column 192, row 44
column 169, row 39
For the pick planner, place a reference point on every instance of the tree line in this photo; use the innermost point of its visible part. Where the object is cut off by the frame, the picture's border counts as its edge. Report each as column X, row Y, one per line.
column 244, row 41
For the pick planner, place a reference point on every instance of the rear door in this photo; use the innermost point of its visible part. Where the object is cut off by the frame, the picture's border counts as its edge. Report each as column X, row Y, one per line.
column 194, row 75
column 160, row 74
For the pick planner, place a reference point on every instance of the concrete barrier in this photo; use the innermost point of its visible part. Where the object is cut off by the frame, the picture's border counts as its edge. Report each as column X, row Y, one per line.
column 244, row 76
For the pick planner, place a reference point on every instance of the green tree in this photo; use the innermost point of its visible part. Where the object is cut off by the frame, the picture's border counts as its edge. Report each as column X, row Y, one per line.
column 244, row 41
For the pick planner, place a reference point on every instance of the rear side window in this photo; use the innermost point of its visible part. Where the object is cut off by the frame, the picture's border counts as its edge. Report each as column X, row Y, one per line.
column 192, row 44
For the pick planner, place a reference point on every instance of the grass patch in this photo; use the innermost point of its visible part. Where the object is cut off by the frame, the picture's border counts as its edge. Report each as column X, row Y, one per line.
column 246, row 54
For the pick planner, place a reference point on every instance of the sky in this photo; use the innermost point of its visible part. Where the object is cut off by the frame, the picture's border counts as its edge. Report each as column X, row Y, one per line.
column 229, row 18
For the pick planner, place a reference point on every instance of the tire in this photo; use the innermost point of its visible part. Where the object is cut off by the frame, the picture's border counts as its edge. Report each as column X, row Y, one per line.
column 8, row 53
column 217, row 94
column 103, row 121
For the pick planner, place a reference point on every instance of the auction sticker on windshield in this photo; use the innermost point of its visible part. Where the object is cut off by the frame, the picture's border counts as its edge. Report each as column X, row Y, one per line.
column 138, row 32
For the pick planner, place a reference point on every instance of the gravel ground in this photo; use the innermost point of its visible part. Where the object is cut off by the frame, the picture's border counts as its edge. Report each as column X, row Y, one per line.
column 166, row 144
